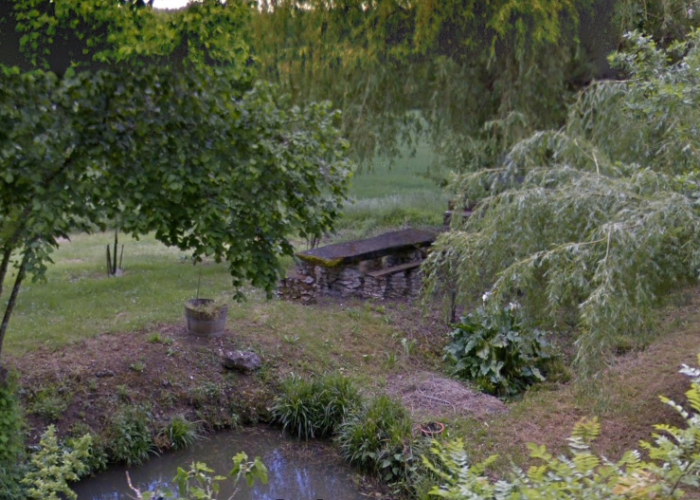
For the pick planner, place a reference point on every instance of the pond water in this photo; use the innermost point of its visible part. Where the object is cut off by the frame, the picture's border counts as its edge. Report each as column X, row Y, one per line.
column 296, row 471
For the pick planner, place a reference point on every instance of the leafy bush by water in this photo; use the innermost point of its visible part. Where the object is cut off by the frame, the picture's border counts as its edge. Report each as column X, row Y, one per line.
column 315, row 408
column 11, row 439
column 378, row 438
column 180, row 433
column 53, row 466
column 495, row 351
column 129, row 436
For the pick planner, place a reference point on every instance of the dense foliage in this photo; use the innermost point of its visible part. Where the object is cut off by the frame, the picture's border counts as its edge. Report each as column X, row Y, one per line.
column 591, row 225
column 54, row 466
column 166, row 135
column 11, row 441
column 378, row 438
column 497, row 352
column 475, row 76
column 315, row 408
column 460, row 63
column 673, row 463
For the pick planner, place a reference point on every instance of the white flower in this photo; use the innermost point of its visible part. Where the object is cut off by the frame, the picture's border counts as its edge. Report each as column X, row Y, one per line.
column 486, row 296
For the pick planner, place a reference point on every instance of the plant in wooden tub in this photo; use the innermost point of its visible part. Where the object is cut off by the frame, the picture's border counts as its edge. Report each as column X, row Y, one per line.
column 206, row 316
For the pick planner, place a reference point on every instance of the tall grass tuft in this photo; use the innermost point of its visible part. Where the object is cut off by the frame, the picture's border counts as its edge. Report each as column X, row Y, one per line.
column 179, row 433
column 315, row 408
column 129, row 437
column 378, row 438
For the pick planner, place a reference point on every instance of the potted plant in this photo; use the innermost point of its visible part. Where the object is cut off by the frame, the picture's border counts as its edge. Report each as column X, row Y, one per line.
column 205, row 316
column 432, row 429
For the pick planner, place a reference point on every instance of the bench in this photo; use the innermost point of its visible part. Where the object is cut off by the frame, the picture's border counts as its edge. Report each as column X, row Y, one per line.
column 396, row 269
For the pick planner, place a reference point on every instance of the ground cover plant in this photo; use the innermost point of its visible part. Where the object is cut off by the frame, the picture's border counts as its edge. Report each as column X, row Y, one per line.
column 497, row 352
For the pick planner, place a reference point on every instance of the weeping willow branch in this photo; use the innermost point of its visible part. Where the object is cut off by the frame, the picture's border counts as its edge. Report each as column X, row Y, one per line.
column 599, row 217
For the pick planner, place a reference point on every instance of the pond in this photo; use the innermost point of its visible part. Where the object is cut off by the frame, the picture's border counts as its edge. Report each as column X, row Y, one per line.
column 296, row 471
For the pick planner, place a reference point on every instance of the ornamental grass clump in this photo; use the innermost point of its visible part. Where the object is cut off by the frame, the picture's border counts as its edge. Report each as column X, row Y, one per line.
column 315, row 408
column 179, row 433
column 129, row 436
column 378, row 438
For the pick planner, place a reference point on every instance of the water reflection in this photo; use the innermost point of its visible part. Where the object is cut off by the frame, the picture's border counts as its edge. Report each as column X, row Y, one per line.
column 295, row 472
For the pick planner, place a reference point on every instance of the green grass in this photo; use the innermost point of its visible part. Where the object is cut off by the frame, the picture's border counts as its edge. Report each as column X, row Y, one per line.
column 390, row 196
column 78, row 300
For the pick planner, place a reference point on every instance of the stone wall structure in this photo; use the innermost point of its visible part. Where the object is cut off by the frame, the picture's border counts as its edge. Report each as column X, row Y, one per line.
column 386, row 266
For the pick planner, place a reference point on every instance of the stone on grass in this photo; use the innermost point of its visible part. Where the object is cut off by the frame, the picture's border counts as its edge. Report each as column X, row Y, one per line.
column 245, row 361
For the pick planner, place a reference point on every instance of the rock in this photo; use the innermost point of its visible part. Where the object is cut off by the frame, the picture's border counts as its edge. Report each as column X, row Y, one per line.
column 245, row 361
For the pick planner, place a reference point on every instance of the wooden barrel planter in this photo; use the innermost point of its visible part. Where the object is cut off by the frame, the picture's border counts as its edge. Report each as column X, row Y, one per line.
column 204, row 318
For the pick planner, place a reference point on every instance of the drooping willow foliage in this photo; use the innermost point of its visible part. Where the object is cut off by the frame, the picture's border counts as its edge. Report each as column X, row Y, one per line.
column 597, row 221
column 458, row 62
column 475, row 76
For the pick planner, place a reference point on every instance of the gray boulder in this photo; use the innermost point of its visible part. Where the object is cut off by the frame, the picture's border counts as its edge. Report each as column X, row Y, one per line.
column 244, row 361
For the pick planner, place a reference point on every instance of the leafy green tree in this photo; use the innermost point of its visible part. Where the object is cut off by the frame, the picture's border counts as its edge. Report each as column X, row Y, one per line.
column 165, row 132
column 592, row 224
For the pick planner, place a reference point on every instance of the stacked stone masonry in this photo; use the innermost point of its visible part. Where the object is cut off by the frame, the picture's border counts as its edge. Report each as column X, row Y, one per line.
column 383, row 267
column 365, row 279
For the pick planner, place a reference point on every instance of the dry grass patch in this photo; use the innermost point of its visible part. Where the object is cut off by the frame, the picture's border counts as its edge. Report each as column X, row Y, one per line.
column 632, row 388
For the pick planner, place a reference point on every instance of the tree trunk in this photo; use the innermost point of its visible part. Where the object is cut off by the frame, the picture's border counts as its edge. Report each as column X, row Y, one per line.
column 6, row 255
column 13, row 299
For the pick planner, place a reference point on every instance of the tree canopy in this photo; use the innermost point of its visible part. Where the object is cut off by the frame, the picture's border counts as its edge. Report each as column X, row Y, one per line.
column 460, row 63
column 166, row 135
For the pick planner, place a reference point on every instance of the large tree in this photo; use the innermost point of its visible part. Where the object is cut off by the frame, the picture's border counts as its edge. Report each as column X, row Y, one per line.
column 593, row 224
column 164, row 131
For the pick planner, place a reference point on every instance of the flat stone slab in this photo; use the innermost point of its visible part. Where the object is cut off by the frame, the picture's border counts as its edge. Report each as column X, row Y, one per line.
column 372, row 248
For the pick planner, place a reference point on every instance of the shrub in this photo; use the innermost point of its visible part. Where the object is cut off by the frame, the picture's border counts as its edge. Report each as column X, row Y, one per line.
column 496, row 352
column 11, row 442
column 315, row 408
column 201, row 483
column 129, row 436
column 53, row 466
column 378, row 438
column 50, row 402
column 674, row 462
column 180, row 433
column 97, row 458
